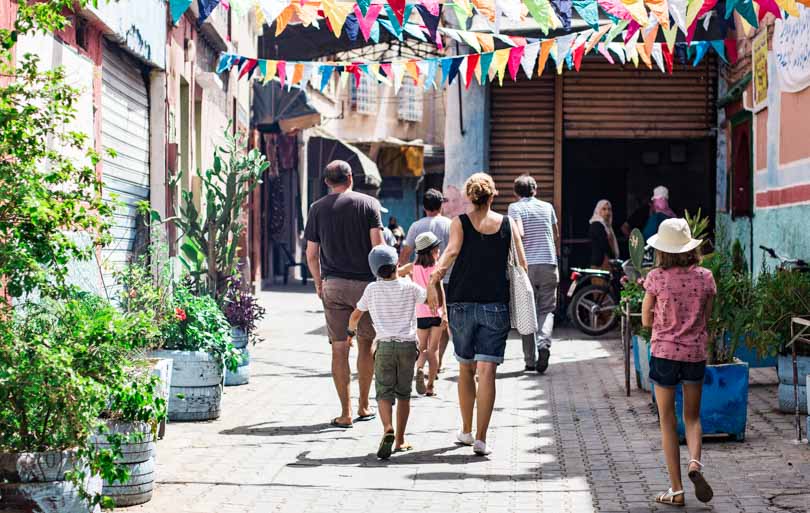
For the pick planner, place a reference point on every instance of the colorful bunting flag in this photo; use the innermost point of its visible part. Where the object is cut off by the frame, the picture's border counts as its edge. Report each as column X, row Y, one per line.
column 660, row 10
column 206, row 7
column 431, row 20
column 455, row 64
column 589, row 12
column 545, row 49
column 768, row 6
column 178, row 8
column 563, row 10
column 336, row 13
column 366, row 20
column 731, row 50
column 667, row 57
column 501, row 60
column 484, row 63
column 529, row 59
column 604, row 51
column 487, row 42
column 472, row 65
column 515, row 57
column 543, row 14
column 701, row 47
column 398, row 8
column 677, row 9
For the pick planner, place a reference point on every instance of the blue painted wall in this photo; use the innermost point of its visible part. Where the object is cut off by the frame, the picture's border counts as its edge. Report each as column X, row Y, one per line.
column 138, row 24
column 405, row 209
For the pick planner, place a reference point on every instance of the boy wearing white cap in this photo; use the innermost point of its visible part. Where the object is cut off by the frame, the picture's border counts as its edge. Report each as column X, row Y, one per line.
column 391, row 301
column 677, row 304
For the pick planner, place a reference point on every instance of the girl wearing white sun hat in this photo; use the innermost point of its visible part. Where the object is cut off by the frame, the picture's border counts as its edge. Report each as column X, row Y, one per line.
column 678, row 302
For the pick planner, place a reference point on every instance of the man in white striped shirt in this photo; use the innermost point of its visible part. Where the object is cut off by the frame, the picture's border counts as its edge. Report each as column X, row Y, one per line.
column 537, row 222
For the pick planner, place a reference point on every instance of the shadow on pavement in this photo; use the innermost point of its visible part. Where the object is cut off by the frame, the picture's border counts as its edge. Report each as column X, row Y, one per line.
column 438, row 456
column 263, row 429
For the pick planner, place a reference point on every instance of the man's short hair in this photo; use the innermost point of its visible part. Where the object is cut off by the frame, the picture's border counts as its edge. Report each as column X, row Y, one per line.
column 525, row 186
column 338, row 172
column 432, row 200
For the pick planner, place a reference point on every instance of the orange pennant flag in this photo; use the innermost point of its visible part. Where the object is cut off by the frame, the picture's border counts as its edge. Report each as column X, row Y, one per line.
column 413, row 70
column 649, row 39
column 545, row 50
column 485, row 8
column 645, row 56
column 596, row 37
column 298, row 73
column 659, row 9
column 487, row 42
column 284, row 19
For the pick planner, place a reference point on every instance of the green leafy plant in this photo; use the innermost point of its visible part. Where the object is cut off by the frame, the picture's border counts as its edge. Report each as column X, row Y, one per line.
column 210, row 237
column 632, row 293
column 698, row 224
column 200, row 325
column 780, row 295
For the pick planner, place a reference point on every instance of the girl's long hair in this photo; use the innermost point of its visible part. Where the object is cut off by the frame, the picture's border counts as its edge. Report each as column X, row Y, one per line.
column 669, row 260
column 425, row 258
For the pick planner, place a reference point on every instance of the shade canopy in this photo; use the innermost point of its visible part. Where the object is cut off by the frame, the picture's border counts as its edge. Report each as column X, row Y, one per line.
column 324, row 147
column 279, row 110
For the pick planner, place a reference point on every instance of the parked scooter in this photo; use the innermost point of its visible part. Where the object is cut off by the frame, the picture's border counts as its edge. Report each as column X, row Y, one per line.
column 594, row 294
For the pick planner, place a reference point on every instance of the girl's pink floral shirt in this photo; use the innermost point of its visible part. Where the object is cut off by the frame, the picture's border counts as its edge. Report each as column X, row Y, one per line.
column 679, row 318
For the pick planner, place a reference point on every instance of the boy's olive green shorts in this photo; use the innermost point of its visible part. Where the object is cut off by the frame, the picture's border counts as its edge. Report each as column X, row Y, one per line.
column 394, row 362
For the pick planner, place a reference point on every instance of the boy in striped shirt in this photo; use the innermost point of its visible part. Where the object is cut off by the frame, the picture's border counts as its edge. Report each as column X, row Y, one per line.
column 391, row 301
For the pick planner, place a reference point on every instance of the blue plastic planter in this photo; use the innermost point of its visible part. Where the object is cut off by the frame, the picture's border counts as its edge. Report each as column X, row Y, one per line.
column 746, row 354
column 641, row 361
column 724, row 404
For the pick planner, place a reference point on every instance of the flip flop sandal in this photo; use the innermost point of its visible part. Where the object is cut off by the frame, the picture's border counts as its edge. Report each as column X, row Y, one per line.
column 340, row 425
column 703, row 491
column 404, row 448
column 366, row 418
column 420, row 382
column 430, row 393
column 668, row 497
column 386, row 445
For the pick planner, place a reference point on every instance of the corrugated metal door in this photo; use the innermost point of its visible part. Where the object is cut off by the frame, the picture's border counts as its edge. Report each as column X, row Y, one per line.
column 124, row 129
column 522, row 136
column 609, row 101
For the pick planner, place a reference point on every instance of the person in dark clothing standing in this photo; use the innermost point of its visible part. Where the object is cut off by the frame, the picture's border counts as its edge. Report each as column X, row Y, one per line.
column 341, row 229
column 478, row 302
column 604, row 246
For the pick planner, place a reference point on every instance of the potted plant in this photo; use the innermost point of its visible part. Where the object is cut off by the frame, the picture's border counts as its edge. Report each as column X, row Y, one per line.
column 198, row 340
column 242, row 311
column 780, row 296
column 61, row 362
column 632, row 296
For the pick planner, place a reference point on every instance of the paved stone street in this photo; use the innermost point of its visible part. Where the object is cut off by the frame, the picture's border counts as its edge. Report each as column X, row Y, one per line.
column 567, row 441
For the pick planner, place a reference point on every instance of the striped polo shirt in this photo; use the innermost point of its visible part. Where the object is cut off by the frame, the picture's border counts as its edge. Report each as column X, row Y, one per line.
column 538, row 218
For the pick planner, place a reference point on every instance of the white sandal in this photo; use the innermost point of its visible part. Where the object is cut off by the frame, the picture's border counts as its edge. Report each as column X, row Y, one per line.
column 669, row 498
column 703, row 491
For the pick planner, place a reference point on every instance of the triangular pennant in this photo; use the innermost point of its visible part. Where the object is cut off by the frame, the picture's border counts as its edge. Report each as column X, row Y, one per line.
column 790, row 6
column 618, row 49
column 701, row 47
column 578, row 53
column 461, row 14
column 604, row 51
column 563, row 10
column 545, row 49
column 432, row 6
column 720, row 49
column 386, row 69
column 308, row 14
column 446, row 64
column 375, row 32
column 430, row 20
column 309, row 68
column 730, row 5
column 471, row 40
column 649, row 38
column 415, row 31
column 272, row 9
column 485, row 8
column 248, row 68
column 472, row 65
column 745, row 8
column 616, row 9
column 667, row 57
column 398, row 9
column 430, row 74
column 677, row 8
column 178, row 8
column 284, row 19
column 563, row 47
column 501, row 59
column 422, row 66
column 483, row 66
column 660, row 10
column 641, row 49
column 205, row 7
column 637, row 11
column 392, row 27
column 263, row 68
column 398, row 69
column 616, row 30
column 768, row 6
column 298, row 74
column 281, row 69
column 529, row 59
column 412, row 70
column 455, row 65
column 509, row 9
column 588, row 10
column 595, row 38
column 513, row 63
column 632, row 32
column 367, row 21
column 486, row 41
column 225, row 62
column 692, row 9
column 543, row 14
column 731, row 50
column 336, row 13
column 670, row 35
column 351, row 27
column 270, row 72
column 363, row 5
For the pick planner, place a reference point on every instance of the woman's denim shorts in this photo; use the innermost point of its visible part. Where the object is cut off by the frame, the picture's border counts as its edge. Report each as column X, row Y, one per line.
column 479, row 331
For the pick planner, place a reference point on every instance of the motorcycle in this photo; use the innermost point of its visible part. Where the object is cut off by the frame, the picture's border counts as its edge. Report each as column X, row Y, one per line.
column 594, row 297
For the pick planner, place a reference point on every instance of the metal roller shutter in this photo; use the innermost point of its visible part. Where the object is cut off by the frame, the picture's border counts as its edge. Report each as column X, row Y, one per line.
column 124, row 129
column 609, row 101
column 522, row 136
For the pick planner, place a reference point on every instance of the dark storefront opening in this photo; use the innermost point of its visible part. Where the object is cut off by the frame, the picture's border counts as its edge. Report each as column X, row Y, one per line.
column 625, row 172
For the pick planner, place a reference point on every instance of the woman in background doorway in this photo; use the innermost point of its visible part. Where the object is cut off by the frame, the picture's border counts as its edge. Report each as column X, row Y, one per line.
column 604, row 246
column 659, row 211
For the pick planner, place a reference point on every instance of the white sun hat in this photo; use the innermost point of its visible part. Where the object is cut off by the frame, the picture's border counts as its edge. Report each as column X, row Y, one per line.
column 674, row 236
column 660, row 192
column 425, row 241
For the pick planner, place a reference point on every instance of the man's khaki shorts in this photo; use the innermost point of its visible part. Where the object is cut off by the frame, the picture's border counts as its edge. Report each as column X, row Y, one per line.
column 394, row 363
column 340, row 297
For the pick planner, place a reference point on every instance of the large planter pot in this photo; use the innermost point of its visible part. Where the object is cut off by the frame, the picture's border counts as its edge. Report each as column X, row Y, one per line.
column 139, row 457
column 641, row 359
column 35, row 482
column 196, row 387
column 787, row 402
column 241, row 376
column 162, row 368
column 724, row 403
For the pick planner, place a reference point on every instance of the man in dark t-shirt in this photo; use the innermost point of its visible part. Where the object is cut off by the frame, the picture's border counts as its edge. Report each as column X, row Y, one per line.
column 341, row 229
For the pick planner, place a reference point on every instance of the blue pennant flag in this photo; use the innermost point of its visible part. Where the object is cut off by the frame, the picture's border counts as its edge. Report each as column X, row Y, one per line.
column 178, row 8
column 326, row 75
column 206, row 8
column 446, row 63
column 455, row 64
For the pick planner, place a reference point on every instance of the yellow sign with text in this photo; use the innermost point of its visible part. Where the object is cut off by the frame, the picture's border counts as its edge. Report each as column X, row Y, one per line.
column 760, row 64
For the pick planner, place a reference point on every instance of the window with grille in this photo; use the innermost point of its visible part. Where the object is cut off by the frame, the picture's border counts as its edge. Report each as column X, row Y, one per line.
column 410, row 101
column 364, row 96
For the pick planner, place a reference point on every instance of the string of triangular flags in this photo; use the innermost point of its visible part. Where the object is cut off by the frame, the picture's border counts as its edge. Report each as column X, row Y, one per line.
column 532, row 57
column 364, row 17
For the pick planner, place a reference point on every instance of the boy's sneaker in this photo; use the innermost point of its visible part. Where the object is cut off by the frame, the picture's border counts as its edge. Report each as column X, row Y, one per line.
column 465, row 438
column 480, row 448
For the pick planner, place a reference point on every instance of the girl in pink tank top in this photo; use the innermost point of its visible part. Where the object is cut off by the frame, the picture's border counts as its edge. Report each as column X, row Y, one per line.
column 429, row 323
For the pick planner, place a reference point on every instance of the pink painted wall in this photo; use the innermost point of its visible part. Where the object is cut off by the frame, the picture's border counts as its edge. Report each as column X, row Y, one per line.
column 794, row 127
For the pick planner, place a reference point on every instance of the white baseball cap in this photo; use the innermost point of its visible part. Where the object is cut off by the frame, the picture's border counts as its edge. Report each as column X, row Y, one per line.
column 674, row 236
column 660, row 192
column 425, row 241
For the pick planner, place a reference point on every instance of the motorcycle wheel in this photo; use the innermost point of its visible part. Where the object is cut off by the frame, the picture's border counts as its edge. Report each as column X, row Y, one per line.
column 593, row 310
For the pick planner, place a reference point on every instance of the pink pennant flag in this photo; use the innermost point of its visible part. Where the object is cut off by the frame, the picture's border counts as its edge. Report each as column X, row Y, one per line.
column 386, row 67
column 707, row 6
column 731, row 50
column 615, row 8
column 632, row 28
column 431, row 5
column 768, row 6
column 604, row 51
column 281, row 70
column 398, row 6
column 515, row 56
column 367, row 22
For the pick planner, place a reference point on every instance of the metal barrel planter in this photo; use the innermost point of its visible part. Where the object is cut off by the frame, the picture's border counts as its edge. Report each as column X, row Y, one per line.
column 139, row 456
column 241, row 376
column 196, row 388
column 36, row 482
column 162, row 368
column 787, row 400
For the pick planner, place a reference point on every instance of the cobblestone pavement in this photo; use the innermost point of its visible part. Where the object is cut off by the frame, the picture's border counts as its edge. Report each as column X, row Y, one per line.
column 568, row 441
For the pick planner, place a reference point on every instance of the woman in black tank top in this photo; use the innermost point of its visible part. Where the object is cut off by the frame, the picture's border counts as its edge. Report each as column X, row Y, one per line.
column 478, row 302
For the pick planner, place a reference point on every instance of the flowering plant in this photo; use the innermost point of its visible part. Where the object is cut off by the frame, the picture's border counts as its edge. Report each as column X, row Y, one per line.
column 242, row 308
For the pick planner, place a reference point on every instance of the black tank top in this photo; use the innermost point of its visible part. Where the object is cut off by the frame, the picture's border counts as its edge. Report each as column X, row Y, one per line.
column 479, row 273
